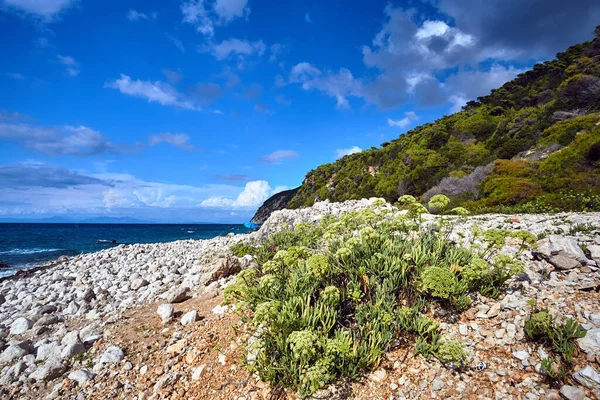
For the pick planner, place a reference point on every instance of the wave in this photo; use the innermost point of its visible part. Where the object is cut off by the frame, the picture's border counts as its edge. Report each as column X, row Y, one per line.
column 29, row 251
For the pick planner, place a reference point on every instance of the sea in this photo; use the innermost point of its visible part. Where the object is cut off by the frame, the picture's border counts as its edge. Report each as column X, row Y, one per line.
column 26, row 245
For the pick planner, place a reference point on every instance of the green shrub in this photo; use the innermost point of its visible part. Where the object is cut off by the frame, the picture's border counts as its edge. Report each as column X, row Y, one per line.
column 327, row 302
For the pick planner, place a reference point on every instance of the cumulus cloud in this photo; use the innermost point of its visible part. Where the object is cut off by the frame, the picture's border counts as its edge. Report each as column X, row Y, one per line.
column 134, row 15
column 253, row 195
column 278, row 156
column 204, row 16
column 228, row 10
column 64, row 141
column 71, row 66
column 409, row 118
column 180, row 140
column 154, row 92
column 238, row 47
column 430, row 61
column 339, row 153
column 46, row 9
column 339, row 85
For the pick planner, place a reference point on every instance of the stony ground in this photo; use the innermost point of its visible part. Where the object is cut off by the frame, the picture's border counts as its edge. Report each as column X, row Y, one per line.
column 145, row 322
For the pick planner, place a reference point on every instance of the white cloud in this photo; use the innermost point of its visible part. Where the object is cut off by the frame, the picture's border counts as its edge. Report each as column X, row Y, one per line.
column 155, row 92
column 276, row 50
column 71, row 66
column 303, row 71
column 46, row 9
column 205, row 16
column 409, row 118
column 279, row 81
column 228, row 10
column 64, row 141
column 339, row 153
column 196, row 14
column 236, row 46
column 180, row 140
column 278, row 156
column 134, row 15
column 338, row 85
column 34, row 189
column 253, row 195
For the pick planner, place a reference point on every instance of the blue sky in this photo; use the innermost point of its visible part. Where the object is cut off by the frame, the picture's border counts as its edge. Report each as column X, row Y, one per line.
column 181, row 111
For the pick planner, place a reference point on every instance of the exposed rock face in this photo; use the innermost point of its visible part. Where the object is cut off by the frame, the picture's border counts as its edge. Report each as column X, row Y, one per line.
column 276, row 202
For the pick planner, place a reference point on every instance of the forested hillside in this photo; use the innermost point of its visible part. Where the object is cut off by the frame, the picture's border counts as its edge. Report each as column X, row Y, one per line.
column 532, row 145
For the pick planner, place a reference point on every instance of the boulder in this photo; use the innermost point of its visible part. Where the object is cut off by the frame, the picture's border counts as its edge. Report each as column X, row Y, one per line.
column 595, row 252
column 71, row 350
column 48, row 351
column 572, row 392
column 20, row 326
column 590, row 343
column 13, row 352
column 588, row 377
column 71, row 338
column 81, row 376
column 50, row 370
column 113, row 354
column 138, row 283
column 178, row 295
column 220, row 266
column 165, row 311
column 560, row 251
column 46, row 320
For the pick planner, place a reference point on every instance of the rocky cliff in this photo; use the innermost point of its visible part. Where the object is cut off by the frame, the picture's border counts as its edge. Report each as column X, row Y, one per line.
column 278, row 201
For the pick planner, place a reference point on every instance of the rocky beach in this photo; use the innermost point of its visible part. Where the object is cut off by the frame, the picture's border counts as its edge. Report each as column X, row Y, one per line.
column 145, row 321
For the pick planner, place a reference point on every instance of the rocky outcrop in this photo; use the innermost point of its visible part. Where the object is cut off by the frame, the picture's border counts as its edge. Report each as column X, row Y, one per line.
column 276, row 202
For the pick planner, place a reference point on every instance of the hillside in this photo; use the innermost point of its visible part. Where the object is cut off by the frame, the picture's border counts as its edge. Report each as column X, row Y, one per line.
column 532, row 145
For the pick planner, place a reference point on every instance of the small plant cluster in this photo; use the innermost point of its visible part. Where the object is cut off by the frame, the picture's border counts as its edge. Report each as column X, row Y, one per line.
column 327, row 301
column 541, row 327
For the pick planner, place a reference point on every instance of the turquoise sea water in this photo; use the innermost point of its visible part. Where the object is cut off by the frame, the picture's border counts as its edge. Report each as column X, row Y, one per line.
column 24, row 245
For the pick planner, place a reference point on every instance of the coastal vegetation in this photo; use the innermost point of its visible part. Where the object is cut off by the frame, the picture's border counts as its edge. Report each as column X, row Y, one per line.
column 327, row 301
column 532, row 145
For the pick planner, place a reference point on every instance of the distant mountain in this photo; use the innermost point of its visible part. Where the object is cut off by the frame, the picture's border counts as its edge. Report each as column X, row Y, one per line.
column 532, row 145
column 67, row 220
column 114, row 220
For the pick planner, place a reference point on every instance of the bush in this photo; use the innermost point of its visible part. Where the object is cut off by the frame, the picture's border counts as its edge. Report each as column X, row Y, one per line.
column 329, row 308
